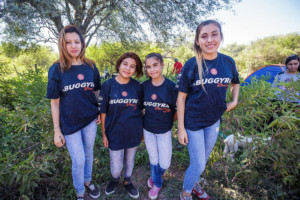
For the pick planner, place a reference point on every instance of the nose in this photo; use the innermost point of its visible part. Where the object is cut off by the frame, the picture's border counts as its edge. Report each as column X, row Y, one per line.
column 73, row 44
column 209, row 38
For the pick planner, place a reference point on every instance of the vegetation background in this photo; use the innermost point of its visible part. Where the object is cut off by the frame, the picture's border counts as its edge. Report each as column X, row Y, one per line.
column 31, row 167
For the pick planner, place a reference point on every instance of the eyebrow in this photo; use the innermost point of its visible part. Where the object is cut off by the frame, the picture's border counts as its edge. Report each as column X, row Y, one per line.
column 215, row 31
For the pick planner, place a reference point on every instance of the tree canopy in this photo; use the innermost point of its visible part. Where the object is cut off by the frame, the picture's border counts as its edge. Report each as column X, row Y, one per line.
column 122, row 20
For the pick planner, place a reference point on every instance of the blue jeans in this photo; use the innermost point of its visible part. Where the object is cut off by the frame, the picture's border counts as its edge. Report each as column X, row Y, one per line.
column 80, row 146
column 159, row 147
column 117, row 158
column 200, row 145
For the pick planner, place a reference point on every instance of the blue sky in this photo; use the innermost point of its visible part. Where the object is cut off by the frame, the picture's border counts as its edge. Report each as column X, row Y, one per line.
column 255, row 19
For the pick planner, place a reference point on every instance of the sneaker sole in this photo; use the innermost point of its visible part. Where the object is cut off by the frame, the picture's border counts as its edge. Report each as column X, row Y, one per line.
column 94, row 197
column 152, row 197
column 149, row 185
column 134, row 197
column 109, row 193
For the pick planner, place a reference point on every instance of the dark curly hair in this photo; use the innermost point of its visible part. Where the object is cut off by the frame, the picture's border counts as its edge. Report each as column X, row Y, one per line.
column 134, row 56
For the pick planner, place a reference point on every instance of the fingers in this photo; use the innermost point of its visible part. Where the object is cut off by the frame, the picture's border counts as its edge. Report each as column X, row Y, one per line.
column 59, row 140
column 63, row 141
column 98, row 121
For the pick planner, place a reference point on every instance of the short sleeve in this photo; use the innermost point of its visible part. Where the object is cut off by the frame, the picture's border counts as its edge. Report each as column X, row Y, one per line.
column 53, row 91
column 235, row 79
column 183, row 81
column 104, row 97
column 97, row 79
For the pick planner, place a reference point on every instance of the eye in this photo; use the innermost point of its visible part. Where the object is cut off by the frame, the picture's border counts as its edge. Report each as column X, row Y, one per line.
column 132, row 66
column 147, row 67
column 203, row 36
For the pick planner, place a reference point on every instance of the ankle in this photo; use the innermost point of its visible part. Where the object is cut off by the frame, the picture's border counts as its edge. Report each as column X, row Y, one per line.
column 185, row 194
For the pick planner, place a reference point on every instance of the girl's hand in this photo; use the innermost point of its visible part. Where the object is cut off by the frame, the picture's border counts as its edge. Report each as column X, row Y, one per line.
column 182, row 137
column 59, row 139
column 98, row 121
column 104, row 141
column 231, row 105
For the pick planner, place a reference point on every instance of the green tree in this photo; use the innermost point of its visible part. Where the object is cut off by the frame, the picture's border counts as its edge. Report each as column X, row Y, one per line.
column 266, row 51
column 125, row 20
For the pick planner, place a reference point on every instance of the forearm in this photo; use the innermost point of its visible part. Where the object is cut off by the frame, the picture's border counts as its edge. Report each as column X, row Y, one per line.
column 235, row 92
column 55, row 114
column 181, row 109
column 97, row 93
column 102, row 117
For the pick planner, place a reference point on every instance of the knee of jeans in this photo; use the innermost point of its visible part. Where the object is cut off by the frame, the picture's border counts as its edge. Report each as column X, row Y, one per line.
column 78, row 162
column 198, row 167
column 153, row 160
column 165, row 164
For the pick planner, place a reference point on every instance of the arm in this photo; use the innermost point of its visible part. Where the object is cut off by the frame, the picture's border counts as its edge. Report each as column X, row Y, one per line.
column 175, row 117
column 182, row 135
column 97, row 94
column 235, row 90
column 104, row 138
column 59, row 139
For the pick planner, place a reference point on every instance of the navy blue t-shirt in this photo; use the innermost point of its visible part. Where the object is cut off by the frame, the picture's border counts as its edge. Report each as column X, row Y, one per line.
column 203, row 109
column 160, row 106
column 75, row 87
column 122, row 105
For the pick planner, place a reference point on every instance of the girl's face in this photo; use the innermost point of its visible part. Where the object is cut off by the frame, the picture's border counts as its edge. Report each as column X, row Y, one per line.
column 73, row 44
column 154, row 67
column 127, row 68
column 209, row 41
column 292, row 66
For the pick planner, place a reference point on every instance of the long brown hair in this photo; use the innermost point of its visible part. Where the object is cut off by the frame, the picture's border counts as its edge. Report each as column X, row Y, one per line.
column 134, row 56
column 198, row 50
column 65, row 59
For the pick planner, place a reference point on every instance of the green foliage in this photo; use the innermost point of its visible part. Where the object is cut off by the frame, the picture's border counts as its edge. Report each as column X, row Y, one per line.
column 266, row 51
column 273, row 165
column 121, row 20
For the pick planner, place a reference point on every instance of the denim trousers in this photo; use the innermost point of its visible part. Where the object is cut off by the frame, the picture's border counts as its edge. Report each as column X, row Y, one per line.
column 159, row 147
column 80, row 146
column 118, row 159
column 200, row 145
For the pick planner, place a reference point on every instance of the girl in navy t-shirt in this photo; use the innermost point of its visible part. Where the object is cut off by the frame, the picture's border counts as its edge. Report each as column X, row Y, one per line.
column 160, row 97
column 201, row 101
column 73, row 84
column 121, row 116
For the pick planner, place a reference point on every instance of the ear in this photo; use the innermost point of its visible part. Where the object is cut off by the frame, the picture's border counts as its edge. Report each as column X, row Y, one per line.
column 162, row 65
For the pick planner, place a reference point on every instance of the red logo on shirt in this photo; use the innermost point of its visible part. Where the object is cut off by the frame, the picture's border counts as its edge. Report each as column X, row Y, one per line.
column 213, row 71
column 124, row 94
column 154, row 96
column 80, row 77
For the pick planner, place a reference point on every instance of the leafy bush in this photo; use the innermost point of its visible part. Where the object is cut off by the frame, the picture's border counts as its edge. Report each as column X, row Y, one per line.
column 31, row 167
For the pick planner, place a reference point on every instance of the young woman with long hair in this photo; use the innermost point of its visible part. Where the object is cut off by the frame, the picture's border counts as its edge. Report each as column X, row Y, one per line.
column 160, row 97
column 73, row 87
column 201, row 101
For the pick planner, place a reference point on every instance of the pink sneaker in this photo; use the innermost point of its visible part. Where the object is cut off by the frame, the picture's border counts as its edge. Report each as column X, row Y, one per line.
column 200, row 193
column 150, row 183
column 153, row 193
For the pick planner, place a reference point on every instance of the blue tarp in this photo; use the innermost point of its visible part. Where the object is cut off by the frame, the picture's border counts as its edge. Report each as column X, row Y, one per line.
column 269, row 71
